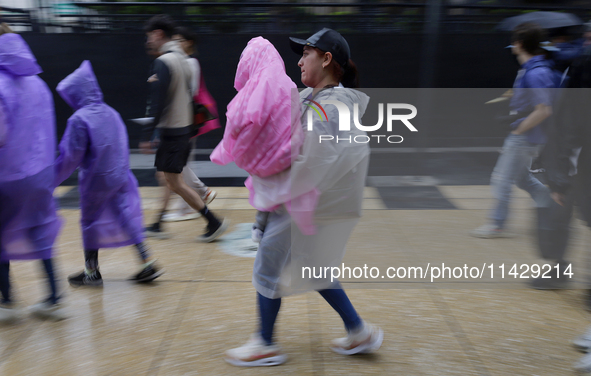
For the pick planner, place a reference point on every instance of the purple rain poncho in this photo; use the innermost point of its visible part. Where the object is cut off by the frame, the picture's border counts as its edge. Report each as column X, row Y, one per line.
column 28, row 221
column 96, row 141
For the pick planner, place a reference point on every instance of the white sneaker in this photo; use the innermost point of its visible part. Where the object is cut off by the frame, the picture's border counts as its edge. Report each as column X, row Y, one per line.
column 490, row 231
column 179, row 215
column 9, row 314
column 583, row 342
column 366, row 340
column 583, row 364
column 209, row 196
column 255, row 353
column 257, row 235
column 47, row 310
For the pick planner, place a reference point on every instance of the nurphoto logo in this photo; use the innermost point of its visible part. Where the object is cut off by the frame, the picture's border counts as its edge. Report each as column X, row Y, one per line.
column 345, row 120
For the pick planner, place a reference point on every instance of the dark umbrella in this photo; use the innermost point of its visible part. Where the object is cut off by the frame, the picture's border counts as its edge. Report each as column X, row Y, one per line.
column 546, row 20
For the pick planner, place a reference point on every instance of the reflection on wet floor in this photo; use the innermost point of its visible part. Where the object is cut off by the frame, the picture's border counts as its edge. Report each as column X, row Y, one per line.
column 205, row 303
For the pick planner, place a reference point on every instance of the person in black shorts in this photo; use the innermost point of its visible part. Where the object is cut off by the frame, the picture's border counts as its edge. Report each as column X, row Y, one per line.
column 170, row 104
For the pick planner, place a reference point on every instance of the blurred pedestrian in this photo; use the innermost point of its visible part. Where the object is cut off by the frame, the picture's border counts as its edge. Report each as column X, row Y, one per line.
column 170, row 103
column 188, row 40
column 569, row 176
column 531, row 105
column 29, row 224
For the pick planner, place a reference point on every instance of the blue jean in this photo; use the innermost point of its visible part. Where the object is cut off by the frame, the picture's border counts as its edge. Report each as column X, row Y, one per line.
column 513, row 168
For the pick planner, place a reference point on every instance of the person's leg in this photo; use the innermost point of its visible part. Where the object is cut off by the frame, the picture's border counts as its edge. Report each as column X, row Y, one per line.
column 150, row 270
column 184, row 211
column 261, row 219
column 511, row 162
column 258, row 228
column 554, row 229
column 361, row 336
column 214, row 228
column 155, row 230
column 165, row 201
column 143, row 252
column 528, row 182
column 260, row 350
column 91, row 275
column 8, row 311
column 91, row 260
column 194, row 182
column 49, row 308
column 48, row 267
column 177, row 185
column 5, row 282
column 268, row 311
column 339, row 301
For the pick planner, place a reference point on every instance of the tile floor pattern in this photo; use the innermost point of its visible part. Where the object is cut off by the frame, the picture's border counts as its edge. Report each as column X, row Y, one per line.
column 205, row 303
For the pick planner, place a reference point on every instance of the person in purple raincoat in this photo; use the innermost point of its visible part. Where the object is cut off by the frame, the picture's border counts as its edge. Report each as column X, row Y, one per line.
column 96, row 142
column 29, row 224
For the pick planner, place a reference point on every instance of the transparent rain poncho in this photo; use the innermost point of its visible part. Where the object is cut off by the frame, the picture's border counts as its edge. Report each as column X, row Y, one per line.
column 338, row 172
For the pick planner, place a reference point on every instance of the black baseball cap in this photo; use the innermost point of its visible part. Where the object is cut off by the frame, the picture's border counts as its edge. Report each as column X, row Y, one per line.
column 326, row 40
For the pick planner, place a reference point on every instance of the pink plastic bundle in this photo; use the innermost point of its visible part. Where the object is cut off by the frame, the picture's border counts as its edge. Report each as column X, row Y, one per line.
column 260, row 134
column 263, row 133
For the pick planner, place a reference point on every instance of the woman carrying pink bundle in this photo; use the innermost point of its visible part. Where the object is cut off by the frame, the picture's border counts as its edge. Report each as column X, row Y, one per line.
column 263, row 134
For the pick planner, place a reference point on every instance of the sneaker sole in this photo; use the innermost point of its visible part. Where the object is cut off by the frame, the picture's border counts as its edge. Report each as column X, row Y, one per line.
column 52, row 316
column 157, row 235
column 11, row 318
column 216, row 234
column 581, row 347
column 582, row 367
column 186, row 217
column 150, row 278
column 365, row 348
column 210, row 198
column 265, row 362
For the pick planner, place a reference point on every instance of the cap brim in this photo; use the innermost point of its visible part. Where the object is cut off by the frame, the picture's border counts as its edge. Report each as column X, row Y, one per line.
column 297, row 45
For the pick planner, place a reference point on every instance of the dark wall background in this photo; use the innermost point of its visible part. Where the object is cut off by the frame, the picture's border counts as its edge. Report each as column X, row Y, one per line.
column 384, row 61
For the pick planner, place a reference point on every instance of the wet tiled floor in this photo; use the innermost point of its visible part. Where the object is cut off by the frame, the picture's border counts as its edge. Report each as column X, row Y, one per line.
column 205, row 302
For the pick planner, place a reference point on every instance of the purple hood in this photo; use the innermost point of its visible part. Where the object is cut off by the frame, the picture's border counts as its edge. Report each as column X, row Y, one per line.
column 15, row 56
column 80, row 88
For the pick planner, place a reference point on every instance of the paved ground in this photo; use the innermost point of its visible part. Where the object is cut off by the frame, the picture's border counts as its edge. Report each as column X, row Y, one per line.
column 205, row 303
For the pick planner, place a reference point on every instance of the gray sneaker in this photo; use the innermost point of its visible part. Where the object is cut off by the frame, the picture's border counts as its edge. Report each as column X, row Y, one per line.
column 366, row 340
column 489, row 231
column 583, row 342
column 583, row 364
column 9, row 314
column 48, row 310
column 209, row 196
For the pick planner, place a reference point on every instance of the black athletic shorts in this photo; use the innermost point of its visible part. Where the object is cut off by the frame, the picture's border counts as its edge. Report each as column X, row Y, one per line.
column 173, row 153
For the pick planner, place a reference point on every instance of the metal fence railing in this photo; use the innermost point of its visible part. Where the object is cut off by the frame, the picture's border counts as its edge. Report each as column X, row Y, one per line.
column 20, row 19
column 206, row 17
